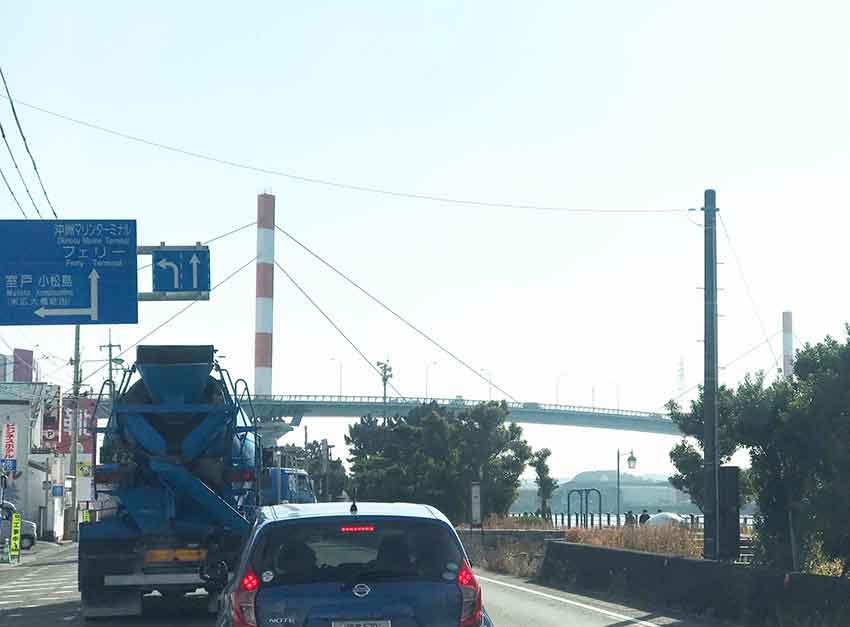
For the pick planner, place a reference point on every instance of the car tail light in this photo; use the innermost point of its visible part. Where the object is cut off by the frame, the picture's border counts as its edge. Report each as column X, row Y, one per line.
column 470, row 612
column 244, row 610
column 357, row 529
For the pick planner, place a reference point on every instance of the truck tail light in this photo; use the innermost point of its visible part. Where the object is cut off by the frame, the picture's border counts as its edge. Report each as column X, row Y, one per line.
column 470, row 613
column 240, row 476
column 242, row 600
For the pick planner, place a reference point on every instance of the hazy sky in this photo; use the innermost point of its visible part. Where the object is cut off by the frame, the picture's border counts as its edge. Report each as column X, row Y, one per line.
column 603, row 106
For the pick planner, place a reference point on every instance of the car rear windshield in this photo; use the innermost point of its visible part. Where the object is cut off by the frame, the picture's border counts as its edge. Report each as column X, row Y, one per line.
column 360, row 549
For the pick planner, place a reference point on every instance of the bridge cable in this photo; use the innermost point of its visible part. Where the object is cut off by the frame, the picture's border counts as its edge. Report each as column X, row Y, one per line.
column 12, row 192
column 171, row 318
column 335, row 326
column 338, row 184
column 216, row 238
column 26, row 145
column 397, row 315
column 748, row 290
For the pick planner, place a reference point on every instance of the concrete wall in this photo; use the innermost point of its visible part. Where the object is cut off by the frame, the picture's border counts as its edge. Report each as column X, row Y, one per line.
column 720, row 589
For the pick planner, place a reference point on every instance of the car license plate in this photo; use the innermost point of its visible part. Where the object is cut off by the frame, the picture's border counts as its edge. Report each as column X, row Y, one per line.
column 361, row 623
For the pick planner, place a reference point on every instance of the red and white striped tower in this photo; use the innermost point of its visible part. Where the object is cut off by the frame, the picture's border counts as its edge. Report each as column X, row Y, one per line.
column 265, row 295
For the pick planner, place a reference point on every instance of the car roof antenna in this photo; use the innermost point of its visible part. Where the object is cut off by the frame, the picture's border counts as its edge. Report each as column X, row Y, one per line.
column 353, row 509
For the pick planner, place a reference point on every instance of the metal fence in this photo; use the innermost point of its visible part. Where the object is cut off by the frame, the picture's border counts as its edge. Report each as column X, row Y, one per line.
column 592, row 520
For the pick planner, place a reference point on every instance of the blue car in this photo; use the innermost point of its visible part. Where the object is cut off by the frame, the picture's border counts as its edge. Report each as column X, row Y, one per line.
column 353, row 565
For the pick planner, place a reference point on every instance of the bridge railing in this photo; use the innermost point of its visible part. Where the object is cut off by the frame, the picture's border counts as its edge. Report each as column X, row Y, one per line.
column 452, row 402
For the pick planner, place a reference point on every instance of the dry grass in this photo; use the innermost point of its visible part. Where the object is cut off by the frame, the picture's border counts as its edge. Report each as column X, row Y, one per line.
column 664, row 540
column 517, row 522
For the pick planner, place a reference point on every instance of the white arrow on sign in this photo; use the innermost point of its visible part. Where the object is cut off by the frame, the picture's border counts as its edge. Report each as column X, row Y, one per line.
column 162, row 263
column 91, row 312
column 194, row 261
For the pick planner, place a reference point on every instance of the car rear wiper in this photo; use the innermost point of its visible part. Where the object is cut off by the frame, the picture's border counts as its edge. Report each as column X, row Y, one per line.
column 373, row 575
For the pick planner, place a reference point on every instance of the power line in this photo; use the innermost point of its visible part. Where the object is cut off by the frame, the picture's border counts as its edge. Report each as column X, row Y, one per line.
column 26, row 145
column 731, row 363
column 337, row 184
column 335, row 326
column 747, row 287
column 171, row 318
column 11, row 191
column 15, row 162
column 214, row 239
column 397, row 315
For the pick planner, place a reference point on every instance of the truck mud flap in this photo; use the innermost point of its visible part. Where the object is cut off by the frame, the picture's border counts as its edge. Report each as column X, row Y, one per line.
column 114, row 603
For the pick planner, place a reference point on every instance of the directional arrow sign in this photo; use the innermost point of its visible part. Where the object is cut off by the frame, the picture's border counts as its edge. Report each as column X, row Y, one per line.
column 162, row 263
column 194, row 261
column 177, row 269
column 68, row 272
column 90, row 311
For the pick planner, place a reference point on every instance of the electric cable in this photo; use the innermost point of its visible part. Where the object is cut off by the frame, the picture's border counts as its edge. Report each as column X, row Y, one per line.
column 26, row 145
column 338, row 184
column 20, row 174
column 172, row 317
column 335, row 326
column 12, row 192
column 726, row 365
column 397, row 315
column 747, row 287
column 214, row 239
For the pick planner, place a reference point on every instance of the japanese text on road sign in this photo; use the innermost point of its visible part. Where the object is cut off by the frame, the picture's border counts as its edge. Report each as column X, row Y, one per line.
column 68, row 272
column 15, row 540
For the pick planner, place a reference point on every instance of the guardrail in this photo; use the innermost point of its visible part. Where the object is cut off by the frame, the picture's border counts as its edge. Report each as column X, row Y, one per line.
column 453, row 402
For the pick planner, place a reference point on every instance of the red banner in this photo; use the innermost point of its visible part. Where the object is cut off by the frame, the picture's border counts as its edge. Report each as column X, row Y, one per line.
column 86, row 424
column 50, row 417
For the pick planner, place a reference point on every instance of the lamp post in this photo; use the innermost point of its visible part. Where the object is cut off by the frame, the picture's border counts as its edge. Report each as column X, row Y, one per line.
column 558, row 388
column 427, row 368
column 632, row 462
column 339, row 363
column 489, row 383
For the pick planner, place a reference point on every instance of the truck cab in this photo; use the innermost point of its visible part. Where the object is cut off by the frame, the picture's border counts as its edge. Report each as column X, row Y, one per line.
column 286, row 485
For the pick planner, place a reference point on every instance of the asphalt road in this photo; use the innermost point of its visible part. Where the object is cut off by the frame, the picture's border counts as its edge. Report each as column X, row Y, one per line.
column 42, row 592
column 512, row 602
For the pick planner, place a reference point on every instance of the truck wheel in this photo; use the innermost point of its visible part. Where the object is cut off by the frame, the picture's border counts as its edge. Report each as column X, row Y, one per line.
column 27, row 542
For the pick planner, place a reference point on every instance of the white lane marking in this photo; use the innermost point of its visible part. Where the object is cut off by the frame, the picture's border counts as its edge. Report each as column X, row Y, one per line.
column 584, row 606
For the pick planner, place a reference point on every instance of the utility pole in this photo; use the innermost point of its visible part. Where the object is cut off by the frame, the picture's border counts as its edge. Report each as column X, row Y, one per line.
column 75, row 427
column 711, row 506
column 386, row 375
column 110, row 346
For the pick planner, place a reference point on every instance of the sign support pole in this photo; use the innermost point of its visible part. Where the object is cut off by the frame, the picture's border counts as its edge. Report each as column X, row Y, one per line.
column 75, row 428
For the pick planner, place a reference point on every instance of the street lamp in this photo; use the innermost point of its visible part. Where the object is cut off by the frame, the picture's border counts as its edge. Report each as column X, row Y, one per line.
column 339, row 363
column 631, row 462
column 558, row 388
column 428, row 367
column 489, row 384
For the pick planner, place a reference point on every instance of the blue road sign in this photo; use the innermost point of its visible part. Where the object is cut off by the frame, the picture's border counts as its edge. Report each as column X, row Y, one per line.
column 57, row 490
column 176, row 270
column 68, row 272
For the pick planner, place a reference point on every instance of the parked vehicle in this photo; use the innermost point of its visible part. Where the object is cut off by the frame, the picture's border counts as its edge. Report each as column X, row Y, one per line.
column 350, row 565
column 180, row 471
column 29, row 531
